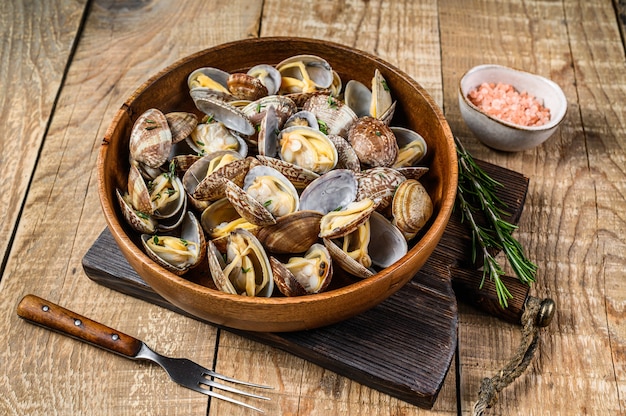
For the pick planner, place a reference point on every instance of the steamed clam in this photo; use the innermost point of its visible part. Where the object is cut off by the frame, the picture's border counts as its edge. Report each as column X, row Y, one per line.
column 244, row 268
column 177, row 253
column 280, row 161
column 304, row 275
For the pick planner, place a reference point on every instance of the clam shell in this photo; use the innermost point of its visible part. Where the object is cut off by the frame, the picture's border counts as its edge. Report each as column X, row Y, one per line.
column 209, row 186
column 138, row 221
column 308, row 148
column 346, row 156
column 238, row 279
column 345, row 262
column 271, row 201
column 190, row 232
column 412, row 147
column 342, row 222
column 304, row 275
column 231, row 116
column 379, row 184
column 181, row 124
column 248, row 207
column 268, row 133
column 268, row 75
column 297, row 69
column 297, row 175
column 382, row 105
column 412, row 207
column 330, row 191
column 302, row 118
column 246, row 87
column 215, row 136
column 164, row 206
column 150, row 139
column 215, row 84
column 220, row 218
column 292, row 233
column 413, row 172
column 332, row 113
column 387, row 244
column 138, row 194
column 374, row 142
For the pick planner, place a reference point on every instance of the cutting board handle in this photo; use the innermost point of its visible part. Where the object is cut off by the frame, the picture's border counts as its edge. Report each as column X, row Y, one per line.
column 466, row 285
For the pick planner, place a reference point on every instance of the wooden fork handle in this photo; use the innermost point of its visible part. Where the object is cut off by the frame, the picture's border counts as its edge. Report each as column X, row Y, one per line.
column 51, row 316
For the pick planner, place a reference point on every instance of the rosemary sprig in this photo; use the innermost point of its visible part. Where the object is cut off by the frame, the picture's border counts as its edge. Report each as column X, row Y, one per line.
column 477, row 191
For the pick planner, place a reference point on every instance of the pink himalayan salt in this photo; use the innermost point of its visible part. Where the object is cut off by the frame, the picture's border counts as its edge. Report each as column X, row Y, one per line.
column 506, row 103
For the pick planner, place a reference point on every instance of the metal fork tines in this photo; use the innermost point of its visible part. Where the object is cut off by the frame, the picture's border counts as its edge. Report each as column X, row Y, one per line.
column 195, row 377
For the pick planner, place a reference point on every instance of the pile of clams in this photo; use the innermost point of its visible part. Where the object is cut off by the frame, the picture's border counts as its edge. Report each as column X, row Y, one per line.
column 282, row 178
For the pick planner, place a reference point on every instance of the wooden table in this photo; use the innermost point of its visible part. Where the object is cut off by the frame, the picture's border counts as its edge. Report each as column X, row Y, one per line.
column 67, row 65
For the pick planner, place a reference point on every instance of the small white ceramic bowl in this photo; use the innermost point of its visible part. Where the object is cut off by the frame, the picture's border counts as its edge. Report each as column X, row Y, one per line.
column 503, row 135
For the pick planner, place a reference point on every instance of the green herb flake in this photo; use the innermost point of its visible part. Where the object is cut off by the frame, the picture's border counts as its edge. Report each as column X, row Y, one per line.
column 323, row 126
column 245, row 269
column 385, row 86
column 332, row 103
column 267, row 203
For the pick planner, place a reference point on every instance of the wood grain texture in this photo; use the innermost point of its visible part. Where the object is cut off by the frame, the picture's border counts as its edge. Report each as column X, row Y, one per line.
column 121, row 47
column 34, row 59
column 574, row 179
column 573, row 224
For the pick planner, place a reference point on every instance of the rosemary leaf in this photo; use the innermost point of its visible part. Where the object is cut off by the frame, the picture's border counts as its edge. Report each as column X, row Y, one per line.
column 477, row 192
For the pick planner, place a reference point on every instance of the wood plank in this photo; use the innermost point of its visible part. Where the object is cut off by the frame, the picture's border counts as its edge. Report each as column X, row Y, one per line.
column 123, row 44
column 576, row 193
column 34, row 59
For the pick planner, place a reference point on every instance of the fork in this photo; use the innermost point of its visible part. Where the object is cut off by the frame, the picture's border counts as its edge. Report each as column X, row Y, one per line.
column 181, row 370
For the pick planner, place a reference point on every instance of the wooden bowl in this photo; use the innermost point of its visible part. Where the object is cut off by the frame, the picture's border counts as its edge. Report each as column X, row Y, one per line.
column 168, row 91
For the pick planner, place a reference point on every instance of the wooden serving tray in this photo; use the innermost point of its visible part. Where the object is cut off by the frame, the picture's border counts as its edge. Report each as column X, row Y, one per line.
column 402, row 347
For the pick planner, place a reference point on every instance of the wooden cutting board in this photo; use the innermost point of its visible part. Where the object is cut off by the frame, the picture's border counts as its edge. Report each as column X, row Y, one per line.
column 402, row 347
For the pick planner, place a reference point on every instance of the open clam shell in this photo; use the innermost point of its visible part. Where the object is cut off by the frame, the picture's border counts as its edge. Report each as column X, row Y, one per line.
column 307, row 147
column 341, row 222
column 305, row 73
column 232, row 117
column 138, row 221
column 304, row 275
column 333, row 115
column 411, row 147
column 214, row 136
column 243, row 268
column 213, row 80
column 268, row 75
column 331, row 191
column 178, row 253
column 203, row 180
